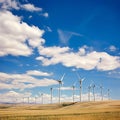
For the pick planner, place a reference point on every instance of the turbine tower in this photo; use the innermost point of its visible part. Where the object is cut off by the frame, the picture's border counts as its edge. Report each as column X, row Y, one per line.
column 73, row 89
column 94, row 91
column 89, row 87
column 28, row 100
column 101, row 91
column 51, row 89
column 23, row 100
column 108, row 94
column 80, row 80
column 28, row 96
column 60, row 83
column 35, row 99
column 42, row 98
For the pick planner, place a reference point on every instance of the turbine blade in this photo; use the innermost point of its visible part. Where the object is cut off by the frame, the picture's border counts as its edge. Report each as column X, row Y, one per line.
column 62, row 77
column 78, row 75
column 83, row 79
column 74, row 83
column 62, row 83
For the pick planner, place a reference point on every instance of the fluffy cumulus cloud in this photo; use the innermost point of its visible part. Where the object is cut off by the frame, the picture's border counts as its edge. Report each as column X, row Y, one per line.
column 14, row 97
column 112, row 48
column 83, row 58
column 15, row 4
column 14, row 35
column 38, row 73
column 23, row 81
column 9, row 4
column 45, row 14
column 30, row 7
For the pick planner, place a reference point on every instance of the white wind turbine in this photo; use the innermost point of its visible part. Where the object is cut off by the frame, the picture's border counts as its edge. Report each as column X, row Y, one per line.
column 51, row 90
column 28, row 100
column 108, row 94
column 73, row 88
column 93, row 86
column 36, row 99
column 28, row 94
column 80, row 80
column 23, row 100
column 41, row 98
column 60, row 83
column 93, row 90
column 89, row 88
column 101, row 92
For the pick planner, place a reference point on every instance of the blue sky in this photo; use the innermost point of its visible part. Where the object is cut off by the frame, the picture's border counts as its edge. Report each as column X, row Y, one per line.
column 42, row 40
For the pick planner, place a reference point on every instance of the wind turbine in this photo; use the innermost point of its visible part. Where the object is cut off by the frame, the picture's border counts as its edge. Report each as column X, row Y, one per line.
column 42, row 98
column 28, row 96
column 108, row 94
column 60, row 83
column 101, row 88
column 28, row 100
column 94, row 91
column 73, row 88
column 51, row 89
column 23, row 100
column 80, row 80
column 89, row 87
column 35, row 99
column 93, row 88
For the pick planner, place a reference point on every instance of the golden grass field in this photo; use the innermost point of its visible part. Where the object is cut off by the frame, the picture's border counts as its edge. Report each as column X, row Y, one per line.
column 106, row 110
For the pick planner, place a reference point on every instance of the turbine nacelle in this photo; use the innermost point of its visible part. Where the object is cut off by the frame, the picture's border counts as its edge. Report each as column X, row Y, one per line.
column 61, row 80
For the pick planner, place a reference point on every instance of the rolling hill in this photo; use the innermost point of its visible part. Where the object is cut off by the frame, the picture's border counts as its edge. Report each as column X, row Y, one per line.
column 65, row 111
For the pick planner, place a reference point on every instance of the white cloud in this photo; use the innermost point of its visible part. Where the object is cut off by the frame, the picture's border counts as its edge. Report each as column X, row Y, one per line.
column 64, row 36
column 73, row 69
column 14, row 4
column 30, row 16
column 14, row 34
column 52, row 51
column 5, row 86
column 84, row 59
column 46, row 15
column 23, row 81
column 64, row 88
column 114, row 74
column 108, row 62
column 14, row 97
column 30, row 7
column 38, row 73
column 9, row 4
column 83, row 49
column 112, row 48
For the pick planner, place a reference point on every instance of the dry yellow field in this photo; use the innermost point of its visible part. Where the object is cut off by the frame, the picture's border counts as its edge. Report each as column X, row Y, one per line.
column 106, row 110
